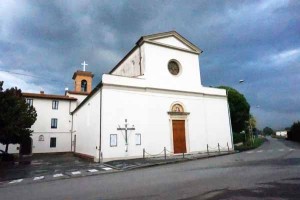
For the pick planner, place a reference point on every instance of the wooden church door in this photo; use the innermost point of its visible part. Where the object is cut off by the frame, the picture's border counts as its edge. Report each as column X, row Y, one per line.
column 179, row 142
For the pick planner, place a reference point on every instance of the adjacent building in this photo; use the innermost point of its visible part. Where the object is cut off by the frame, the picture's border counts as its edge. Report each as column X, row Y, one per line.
column 52, row 131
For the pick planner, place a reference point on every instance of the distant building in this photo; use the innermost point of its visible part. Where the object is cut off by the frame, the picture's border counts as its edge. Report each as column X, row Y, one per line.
column 281, row 133
column 152, row 99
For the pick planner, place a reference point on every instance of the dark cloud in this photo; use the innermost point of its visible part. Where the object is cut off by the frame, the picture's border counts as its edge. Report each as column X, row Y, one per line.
column 257, row 41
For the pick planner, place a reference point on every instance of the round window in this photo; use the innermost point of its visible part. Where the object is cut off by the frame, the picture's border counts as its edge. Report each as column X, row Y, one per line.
column 173, row 67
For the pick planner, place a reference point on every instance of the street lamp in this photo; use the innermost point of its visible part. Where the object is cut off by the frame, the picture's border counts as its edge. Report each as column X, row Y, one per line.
column 241, row 81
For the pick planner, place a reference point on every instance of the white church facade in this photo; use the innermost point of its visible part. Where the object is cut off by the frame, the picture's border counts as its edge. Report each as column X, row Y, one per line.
column 153, row 99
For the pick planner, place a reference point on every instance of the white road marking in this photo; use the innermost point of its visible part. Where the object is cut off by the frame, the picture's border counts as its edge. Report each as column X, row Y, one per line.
column 38, row 178
column 249, row 152
column 291, row 149
column 76, row 173
column 259, row 151
column 280, row 149
column 107, row 168
column 92, row 170
column 57, row 175
column 16, row 181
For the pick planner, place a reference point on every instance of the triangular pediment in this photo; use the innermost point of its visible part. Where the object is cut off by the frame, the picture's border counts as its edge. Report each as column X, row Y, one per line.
column 171, row 39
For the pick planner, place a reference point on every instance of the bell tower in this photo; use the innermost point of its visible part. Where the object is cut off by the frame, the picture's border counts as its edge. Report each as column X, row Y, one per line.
column 83, row 80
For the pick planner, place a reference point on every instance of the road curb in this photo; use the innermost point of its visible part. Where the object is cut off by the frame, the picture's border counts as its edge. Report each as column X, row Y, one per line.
column 172, row 161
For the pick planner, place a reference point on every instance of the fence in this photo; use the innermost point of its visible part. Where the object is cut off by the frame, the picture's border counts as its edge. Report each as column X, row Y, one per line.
column 209, row 150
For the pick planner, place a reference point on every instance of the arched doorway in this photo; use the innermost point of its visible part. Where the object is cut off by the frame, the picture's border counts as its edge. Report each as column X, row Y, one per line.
column 26, row 146
column 178, row 118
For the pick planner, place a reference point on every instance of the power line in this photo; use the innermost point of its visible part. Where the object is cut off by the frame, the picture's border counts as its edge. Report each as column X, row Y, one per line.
column 38, row 77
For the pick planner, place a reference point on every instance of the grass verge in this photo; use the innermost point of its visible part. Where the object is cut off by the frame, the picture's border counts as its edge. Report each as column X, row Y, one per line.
column 257, row 142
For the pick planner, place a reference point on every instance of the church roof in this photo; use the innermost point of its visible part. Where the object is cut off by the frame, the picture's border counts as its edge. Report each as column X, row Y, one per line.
column 148, row 39
column 48, row 96
column 80, row 93
column 153, row 37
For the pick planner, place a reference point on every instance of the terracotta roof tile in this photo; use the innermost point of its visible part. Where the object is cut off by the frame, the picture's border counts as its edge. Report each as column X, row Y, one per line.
column 48, row 96
column 75, row 92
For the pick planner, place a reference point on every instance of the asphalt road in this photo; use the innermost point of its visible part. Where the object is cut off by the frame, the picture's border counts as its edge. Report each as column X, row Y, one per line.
column 269, row 172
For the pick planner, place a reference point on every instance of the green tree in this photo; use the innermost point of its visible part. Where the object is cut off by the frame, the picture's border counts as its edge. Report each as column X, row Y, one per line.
column 239, row 109
column 16, row 117
column 268, row 131
column 1, row 84
column 294, row 133
column 252, row 121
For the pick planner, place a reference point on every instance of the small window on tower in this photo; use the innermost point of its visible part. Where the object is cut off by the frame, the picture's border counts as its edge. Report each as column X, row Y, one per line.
column 83, row 86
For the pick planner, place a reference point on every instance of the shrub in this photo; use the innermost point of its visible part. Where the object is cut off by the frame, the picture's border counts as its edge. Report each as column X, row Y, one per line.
column 237, row 138
column 294, row 133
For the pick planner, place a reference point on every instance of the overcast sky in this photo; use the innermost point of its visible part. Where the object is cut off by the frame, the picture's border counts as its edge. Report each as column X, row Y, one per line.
column 257, row 41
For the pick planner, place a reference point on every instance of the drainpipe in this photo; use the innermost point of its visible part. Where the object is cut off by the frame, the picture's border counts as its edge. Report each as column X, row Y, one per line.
column 100, row 112
column 72, row 134
column 71, row 124
column 140, row 53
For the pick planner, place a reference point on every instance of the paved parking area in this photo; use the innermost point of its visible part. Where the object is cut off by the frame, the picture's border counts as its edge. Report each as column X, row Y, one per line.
column 53, row 165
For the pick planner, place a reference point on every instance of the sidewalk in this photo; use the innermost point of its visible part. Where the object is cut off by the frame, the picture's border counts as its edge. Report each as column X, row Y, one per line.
column 161, row 160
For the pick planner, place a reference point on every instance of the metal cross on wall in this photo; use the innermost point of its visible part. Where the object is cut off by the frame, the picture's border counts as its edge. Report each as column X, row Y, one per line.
column 126, row 135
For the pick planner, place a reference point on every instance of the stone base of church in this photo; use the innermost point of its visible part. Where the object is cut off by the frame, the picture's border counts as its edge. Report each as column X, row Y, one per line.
column 122, row 158
column 85, row 156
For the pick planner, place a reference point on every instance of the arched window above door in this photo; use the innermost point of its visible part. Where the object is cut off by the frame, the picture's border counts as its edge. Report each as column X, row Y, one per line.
column 177, row 108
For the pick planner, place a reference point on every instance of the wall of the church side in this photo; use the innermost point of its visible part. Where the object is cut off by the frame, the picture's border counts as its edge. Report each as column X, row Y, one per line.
column 147, row 109
column 215, row 121
column 217, row 113
column 158, row 75
column 79, row 98
column 86, row 127
column 118, row 105
column 131, row 67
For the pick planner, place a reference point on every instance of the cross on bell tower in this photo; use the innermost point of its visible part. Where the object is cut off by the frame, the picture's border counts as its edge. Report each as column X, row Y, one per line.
column 84, row 64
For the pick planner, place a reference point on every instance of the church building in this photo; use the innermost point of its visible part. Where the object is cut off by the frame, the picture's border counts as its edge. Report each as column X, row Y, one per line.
column 152, row 99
